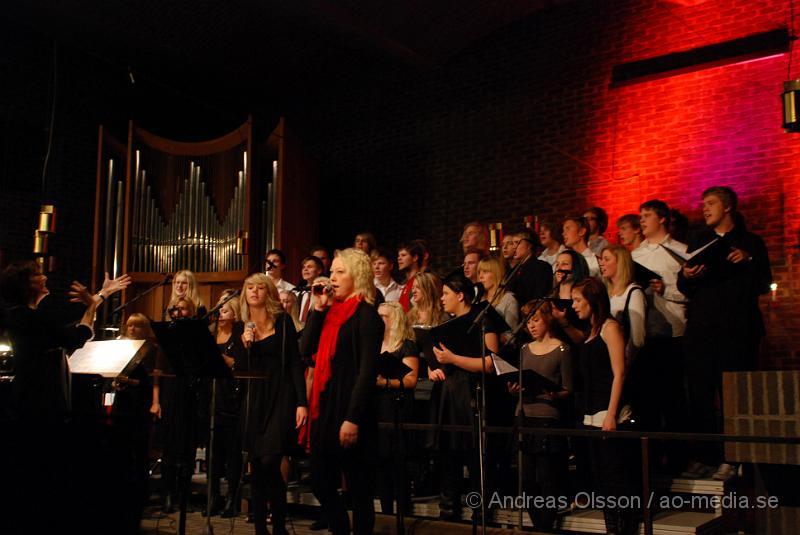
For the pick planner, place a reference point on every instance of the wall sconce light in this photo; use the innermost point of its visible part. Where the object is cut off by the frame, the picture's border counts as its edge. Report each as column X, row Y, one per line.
column 241, row 242
column 41, row 237
column 791, row 106
column 495, row 236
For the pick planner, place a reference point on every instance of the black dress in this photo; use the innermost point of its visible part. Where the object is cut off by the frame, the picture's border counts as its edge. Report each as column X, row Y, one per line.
column 452, row 399
column 269, row 417
column 452, row 402
column 273, row 399
column 390, row 446
column 227, row 443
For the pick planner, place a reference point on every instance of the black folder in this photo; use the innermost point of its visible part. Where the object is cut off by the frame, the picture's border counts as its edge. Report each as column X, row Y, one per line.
column 390, row 367
column 533, row 382
column 190, row 348
column 453, row 334
column 643, row 276
column 425, row 345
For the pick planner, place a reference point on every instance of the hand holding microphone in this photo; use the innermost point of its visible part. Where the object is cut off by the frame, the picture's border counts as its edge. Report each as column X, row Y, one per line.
column 249, row 334
column 323, row 294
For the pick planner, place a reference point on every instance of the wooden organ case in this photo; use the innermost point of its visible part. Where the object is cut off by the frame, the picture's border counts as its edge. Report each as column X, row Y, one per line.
column 212, row 207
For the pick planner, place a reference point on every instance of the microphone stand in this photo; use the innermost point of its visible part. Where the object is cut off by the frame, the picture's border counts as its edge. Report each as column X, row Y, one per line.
column 138, row 296
column 220, row 304
column 246, row 423
column 480, row 398
column 520, row 409
column 399, row 479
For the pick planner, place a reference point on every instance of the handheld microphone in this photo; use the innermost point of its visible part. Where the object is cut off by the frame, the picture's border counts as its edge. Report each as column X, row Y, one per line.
column 319, row 289
column 249, row 325
column 269, row 265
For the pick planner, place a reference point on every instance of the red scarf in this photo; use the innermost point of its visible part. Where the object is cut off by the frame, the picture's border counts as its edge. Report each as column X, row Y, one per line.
column 339, row 313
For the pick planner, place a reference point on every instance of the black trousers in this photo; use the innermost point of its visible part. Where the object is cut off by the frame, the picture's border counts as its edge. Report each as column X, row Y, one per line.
column 615, row 468
column 227, row 458
column 710, row 352
column 327, row 469
column 544, row 473
column 656, row 385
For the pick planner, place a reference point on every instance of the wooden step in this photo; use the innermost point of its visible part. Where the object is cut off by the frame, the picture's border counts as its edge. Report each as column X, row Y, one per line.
column 664, row 523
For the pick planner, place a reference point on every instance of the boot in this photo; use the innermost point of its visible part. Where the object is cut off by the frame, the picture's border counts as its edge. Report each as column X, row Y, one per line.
column 230, row 508
column 168, row 504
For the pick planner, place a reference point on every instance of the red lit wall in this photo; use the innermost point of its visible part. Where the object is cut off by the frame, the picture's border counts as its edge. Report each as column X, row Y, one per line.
column 526, row 121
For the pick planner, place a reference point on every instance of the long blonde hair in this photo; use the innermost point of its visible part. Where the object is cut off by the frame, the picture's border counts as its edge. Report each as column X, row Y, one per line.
column 191, row 290
column 430, row 287
column 233, row 304
column 273, row 302
column 359, row 267
column 496, row 268
column 399, row 327
column 624, row 274
column 142, row 321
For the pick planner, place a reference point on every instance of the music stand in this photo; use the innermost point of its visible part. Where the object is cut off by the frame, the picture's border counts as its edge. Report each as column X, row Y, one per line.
column 192, row 352
column 106, row 359
column 392, row 368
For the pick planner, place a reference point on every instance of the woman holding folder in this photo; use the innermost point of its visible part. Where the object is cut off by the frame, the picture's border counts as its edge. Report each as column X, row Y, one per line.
column 459, row 353
column 544, row 465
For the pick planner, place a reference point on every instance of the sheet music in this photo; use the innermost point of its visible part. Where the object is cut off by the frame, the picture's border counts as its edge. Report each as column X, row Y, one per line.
column 106, row 358
column 685, row 257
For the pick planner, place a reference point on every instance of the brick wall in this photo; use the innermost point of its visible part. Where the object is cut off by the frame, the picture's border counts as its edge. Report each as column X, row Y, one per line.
column 526, row 122
column 522, row 122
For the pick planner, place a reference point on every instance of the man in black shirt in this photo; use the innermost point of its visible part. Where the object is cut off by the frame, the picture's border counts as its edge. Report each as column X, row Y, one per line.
column 724, row 324
column 534, row 279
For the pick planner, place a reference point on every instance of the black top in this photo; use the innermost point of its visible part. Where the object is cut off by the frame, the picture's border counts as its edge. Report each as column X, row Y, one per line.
column 228, row 400
column 533, row 280
column 133, row 402
column 273, row 399
column 597, row 375
column 38, row 337
column 386, row 397
column 348, row 394
column 727, row 296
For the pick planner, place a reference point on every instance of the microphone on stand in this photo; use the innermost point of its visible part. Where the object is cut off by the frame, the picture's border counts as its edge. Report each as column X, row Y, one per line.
column 222, row 303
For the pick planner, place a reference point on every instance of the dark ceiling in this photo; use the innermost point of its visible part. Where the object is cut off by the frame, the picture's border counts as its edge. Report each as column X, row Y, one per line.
column 267, row 49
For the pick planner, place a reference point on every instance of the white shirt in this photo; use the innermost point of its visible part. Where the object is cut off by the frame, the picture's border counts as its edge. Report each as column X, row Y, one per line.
column 391, row 292
column 666, row 314
column 597, row 245
column 508, row 308
column 551, row 259
column 591, row 259
column 282, row 285
column 637, row 308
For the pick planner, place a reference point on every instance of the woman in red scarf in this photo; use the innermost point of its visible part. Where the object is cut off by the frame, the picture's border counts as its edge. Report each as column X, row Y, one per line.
column 344, row 334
